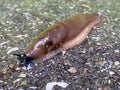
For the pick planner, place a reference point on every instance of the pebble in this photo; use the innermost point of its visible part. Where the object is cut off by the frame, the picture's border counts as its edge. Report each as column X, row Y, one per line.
column 111, row 72
column 4, row 71
column 20, row 88
column 21, row 36
column 100, row 62
column 118, row 83
column 85, row 70
column 11, row 66
column 87, row 6
column 5, row 83
column 17, row 69
column 24, row 82
column 107, row 88
column 116, row 63
column 72, row 70
column 22, row 75
column 83, row 51
column 50, row 85
column 12, row 49
column 3, row 43
column 33, row 88
column 17, row 80
column 1, row 81
column 109, row 81
column 100, row 88
column 116, row 51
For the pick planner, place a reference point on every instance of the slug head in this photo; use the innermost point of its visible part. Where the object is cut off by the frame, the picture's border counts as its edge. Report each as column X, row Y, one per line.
column 24, row 60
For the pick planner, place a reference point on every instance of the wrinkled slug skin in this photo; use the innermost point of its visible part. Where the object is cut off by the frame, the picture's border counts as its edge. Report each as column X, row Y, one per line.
column 62, row 36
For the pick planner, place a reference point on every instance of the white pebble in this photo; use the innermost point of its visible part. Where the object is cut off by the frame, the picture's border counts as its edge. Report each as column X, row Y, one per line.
column 22, row 75
column 116, row 63
column 33, row 88
column 111, row 72
column 17, row 80
column 12, row 49
column 50, row 85
column 116, row 51
column 3, row 43
column 27, row 68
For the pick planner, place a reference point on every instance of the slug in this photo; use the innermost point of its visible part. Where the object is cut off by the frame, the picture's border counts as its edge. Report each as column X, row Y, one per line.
column 59, row 38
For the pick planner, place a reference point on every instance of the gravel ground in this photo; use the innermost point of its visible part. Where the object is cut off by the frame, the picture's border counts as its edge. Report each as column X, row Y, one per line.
column 84, row 67
column 93, row 65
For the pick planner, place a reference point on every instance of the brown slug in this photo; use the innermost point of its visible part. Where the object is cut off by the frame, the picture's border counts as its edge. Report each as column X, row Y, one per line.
column 60, row 37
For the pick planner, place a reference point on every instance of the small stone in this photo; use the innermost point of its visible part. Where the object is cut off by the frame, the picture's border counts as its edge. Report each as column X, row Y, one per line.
column 100, row 88
column 107, row 88
column 116, row 51
column 50, row 85
column 17, row 69
column 116, row 63
column 86, row 6
column 17, row 80
column 12, row 49
column 33, row 87
column 1, row 81
column 118, row 83
column 72, row 70
column 5, row 83
column 100, row 63
column 111, row 72
column 98, row 43
column 85, row 70
column 109, row 81
column 4, row 71
column 22, row 75
column 20, row 88
column 11, row 66
column 83, row 51
column 24, row 82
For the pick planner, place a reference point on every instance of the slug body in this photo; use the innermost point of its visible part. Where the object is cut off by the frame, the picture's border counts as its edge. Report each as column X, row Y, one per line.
column 61, row 36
